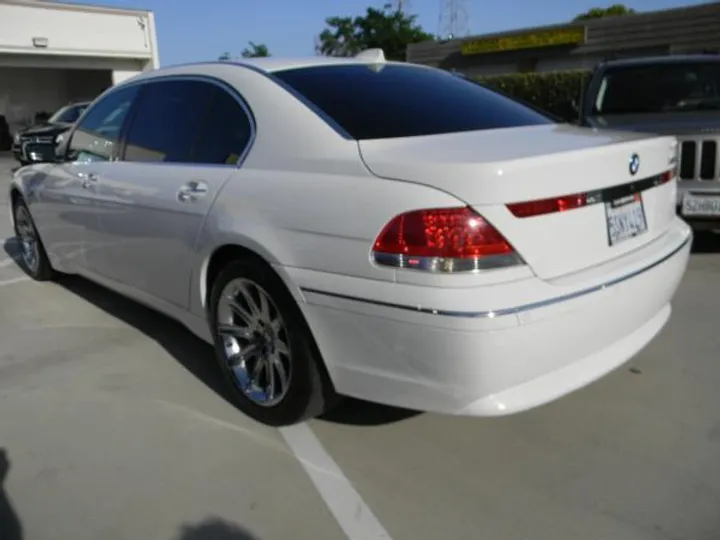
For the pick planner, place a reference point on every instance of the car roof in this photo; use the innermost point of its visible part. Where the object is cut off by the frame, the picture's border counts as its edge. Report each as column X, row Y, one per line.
column 274, row 64
column 667, row 59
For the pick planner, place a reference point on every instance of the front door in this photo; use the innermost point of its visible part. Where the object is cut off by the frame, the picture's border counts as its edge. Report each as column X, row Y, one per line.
column 66, row 211
column 183, row 144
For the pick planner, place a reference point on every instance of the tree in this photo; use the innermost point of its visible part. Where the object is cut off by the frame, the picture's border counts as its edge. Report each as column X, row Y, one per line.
column 391, row 30
column 598, row 13
column 224, row 57
column 256, row 50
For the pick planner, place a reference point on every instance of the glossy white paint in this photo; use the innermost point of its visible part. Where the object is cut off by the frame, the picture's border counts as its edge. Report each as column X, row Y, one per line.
column 311, row 205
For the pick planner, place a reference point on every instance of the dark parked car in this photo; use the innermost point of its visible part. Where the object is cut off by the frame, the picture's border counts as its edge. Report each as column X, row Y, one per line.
column 29, row 145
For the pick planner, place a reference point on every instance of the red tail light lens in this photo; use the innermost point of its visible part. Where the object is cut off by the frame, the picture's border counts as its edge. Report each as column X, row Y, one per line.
column 443, row 240
column 579, row 200
column 548, row 206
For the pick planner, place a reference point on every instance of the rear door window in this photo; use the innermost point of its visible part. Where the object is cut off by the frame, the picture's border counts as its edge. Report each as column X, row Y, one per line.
column 394, row 100
column 167, row 120
column 225, row 133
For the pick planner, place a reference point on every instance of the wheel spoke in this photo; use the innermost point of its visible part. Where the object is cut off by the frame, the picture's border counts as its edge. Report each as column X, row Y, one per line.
column 248, row 318
column 250, row 301
column 232, row 330
column 260, row 364
column 251, row 326
column 271, row 380
column 276, row 325
column 282, row 372
column 282, row 348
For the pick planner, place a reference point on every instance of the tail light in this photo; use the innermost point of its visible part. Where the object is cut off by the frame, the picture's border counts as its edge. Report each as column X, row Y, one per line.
column 548, row 206
column 564, row 203
column 444, row 240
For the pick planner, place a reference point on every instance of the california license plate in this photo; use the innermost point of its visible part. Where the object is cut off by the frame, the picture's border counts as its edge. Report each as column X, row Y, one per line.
column 701, row 205
column 625, row 218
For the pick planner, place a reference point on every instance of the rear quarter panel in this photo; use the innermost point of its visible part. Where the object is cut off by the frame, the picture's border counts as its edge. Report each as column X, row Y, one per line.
column 302, row 198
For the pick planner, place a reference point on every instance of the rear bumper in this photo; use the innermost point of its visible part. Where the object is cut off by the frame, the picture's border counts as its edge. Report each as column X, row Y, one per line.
column 491, row 361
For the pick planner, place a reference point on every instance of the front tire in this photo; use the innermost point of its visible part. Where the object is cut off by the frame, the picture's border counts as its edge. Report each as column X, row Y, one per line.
column 33, row 256
column 265, row 348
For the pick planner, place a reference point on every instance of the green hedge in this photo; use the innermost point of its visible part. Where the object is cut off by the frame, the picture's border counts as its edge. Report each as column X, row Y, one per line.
column 553, row 92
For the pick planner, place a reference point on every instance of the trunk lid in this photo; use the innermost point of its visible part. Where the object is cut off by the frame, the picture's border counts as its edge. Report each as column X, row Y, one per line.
column 490, row 169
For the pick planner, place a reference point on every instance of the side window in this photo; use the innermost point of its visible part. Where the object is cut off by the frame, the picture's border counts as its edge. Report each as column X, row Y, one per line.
column 225, row 133
column 99, row 130
column 166, row 121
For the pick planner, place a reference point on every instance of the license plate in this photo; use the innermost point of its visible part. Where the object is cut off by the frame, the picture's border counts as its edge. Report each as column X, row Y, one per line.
column 701, row 205
column 625, row 218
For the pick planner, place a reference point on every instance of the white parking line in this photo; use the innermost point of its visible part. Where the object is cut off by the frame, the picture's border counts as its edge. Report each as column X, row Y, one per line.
column 13, row 281
column 344, row 502
column 351, row 512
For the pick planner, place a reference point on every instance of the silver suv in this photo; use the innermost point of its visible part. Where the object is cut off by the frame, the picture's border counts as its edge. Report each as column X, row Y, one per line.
column 668, row 95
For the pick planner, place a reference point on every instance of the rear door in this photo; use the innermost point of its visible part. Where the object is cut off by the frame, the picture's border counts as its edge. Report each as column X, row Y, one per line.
column 183, row 143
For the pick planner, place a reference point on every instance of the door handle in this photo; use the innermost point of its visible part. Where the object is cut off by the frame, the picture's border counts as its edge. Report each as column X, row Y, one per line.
column 193, row 190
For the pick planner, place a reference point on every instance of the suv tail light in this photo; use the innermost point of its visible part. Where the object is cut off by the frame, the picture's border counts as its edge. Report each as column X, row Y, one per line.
column 444, row 240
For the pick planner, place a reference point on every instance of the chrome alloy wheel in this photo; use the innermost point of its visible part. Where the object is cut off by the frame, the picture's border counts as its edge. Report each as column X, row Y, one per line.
column 255, row 342
column 29, row 246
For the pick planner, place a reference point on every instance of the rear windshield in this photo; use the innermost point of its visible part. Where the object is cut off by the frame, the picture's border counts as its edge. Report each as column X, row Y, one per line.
column 663, row 87
column 391, row 100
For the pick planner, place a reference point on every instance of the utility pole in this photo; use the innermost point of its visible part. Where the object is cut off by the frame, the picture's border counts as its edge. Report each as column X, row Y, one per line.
column 454, row 19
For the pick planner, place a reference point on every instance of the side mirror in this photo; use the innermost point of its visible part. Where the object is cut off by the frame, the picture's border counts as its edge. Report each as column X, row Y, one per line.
column 61, row 145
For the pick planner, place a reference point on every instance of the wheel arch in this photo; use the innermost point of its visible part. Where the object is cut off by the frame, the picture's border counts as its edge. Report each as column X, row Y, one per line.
column 15, row 196
column 230, row 251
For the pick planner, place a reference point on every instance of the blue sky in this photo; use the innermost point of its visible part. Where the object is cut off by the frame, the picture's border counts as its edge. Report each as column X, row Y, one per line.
column 191, row 30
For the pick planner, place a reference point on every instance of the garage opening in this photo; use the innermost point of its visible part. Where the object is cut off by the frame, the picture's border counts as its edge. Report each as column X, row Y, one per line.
column 30, row 95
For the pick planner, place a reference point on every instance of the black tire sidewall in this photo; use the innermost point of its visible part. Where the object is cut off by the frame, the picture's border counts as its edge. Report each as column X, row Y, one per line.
column 306, row 396
column 44, row 270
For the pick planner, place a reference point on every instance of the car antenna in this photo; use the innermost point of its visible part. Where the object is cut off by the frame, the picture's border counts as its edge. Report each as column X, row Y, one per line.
column 371, row 55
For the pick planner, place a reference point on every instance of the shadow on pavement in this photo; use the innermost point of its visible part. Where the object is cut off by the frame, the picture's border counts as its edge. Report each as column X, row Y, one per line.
column 198, row 357
column 191, row 352
column 11, row 247
column 706, row 242
column 356, row 412
column 215, row 529
column 10, row 527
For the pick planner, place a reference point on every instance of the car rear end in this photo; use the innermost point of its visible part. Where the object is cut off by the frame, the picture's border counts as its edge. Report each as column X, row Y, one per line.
column 555, row 263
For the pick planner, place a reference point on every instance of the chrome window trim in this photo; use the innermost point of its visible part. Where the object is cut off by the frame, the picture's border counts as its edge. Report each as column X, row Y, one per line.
column 219, row 83
column 506, row 311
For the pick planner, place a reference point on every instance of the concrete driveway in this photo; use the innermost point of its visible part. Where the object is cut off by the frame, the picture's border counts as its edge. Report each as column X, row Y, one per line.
column 114, row 425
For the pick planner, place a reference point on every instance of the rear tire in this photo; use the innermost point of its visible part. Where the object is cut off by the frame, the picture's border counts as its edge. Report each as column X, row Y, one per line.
column 265, row 348
column 33, row 256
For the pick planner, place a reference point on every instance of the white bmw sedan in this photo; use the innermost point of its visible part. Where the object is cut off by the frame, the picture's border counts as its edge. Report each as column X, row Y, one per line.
column 366, row 228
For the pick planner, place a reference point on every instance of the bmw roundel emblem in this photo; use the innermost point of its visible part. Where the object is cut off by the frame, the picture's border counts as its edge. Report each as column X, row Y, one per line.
column 634, row 165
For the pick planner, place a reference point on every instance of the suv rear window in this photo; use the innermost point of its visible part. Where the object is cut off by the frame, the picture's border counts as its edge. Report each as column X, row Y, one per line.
column 392, row 100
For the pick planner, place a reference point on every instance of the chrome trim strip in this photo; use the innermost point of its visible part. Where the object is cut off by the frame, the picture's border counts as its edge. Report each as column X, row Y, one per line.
column 506, row 311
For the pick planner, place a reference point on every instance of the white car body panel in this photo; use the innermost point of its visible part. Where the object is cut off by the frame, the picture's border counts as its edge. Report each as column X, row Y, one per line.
column 311, row 202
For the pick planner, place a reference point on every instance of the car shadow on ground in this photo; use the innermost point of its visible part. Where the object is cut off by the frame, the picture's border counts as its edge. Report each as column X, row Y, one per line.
column 215, row 529
column 10, row 526
column 706, row 242
column 198, row 357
